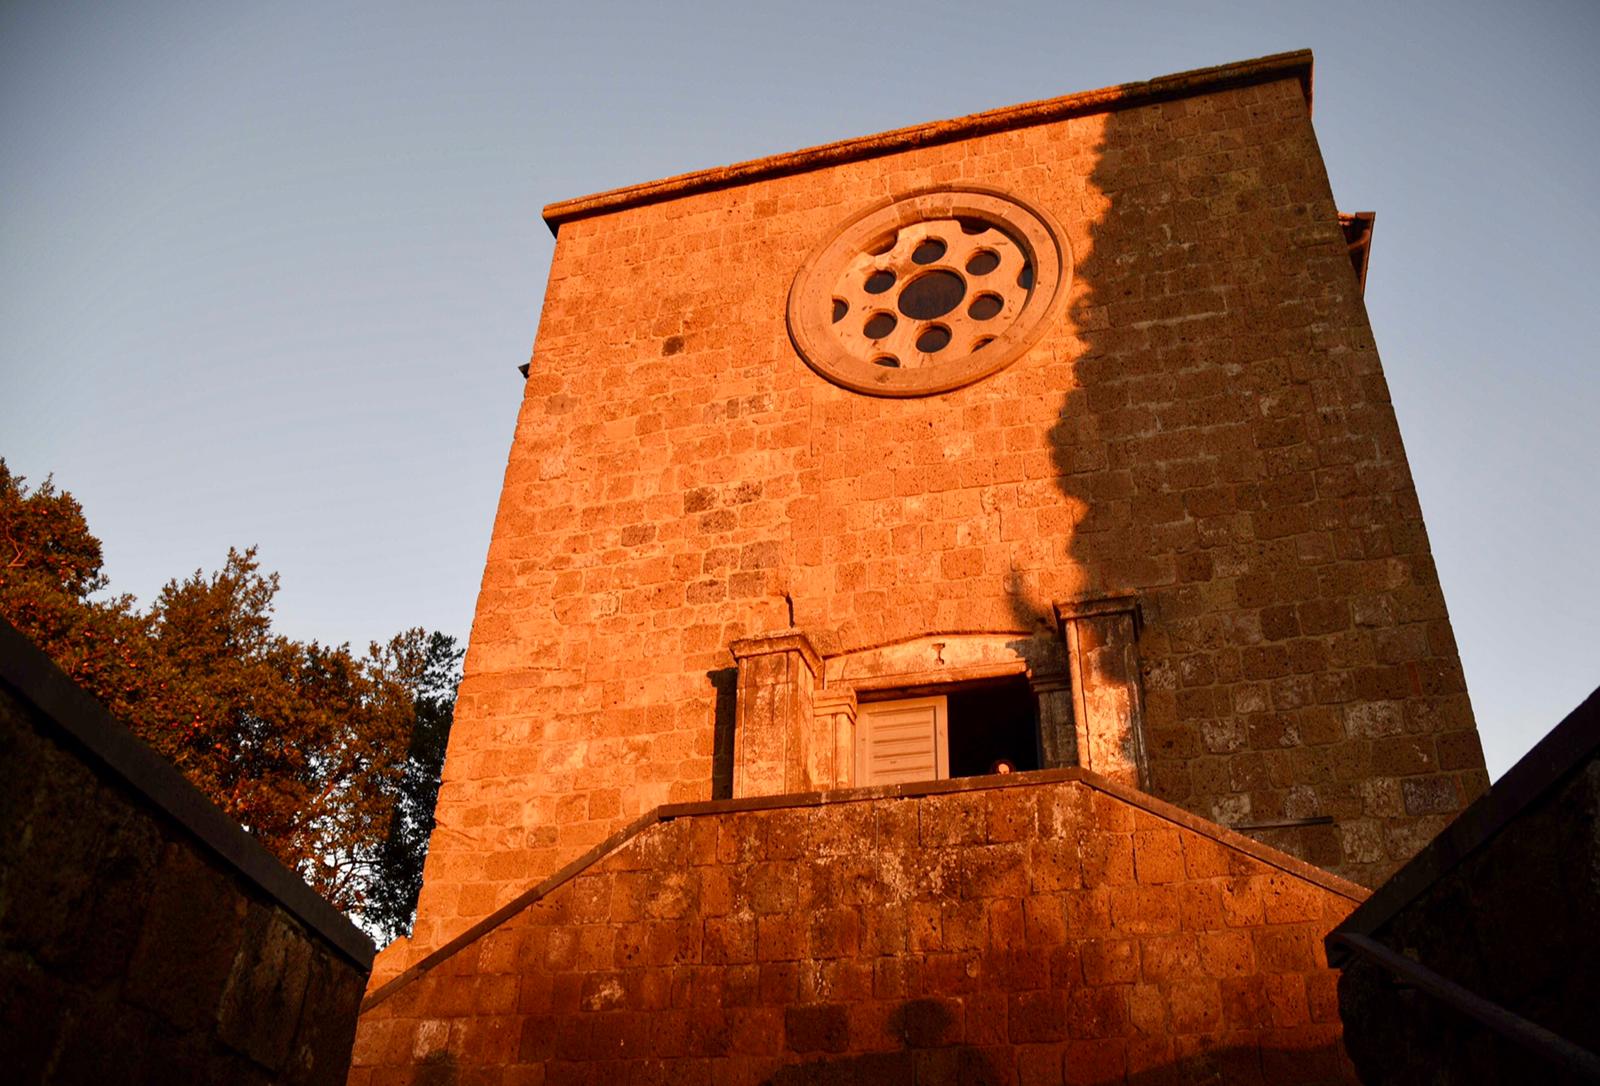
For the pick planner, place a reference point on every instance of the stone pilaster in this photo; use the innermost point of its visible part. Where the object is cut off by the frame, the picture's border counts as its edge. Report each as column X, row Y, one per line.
column 1058, row 738
column 774, row 732
column 833, row 762
column 1102, row 636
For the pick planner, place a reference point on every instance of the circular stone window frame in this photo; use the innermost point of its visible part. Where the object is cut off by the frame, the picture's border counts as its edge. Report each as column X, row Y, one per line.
column 811, row 297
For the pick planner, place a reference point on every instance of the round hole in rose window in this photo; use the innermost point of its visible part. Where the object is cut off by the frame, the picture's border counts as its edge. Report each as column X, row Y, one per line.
column 934, row 338
column 985, row 307
column 932, row 295
column 879, row 325
column 929, row 251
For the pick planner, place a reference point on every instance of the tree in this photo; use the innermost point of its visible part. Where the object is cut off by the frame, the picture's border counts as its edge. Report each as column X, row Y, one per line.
column 50, row 568
column 432, row 665
column 324, row 756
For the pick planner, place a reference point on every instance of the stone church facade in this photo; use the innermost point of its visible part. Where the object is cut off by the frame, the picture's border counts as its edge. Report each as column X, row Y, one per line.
column 958, row 610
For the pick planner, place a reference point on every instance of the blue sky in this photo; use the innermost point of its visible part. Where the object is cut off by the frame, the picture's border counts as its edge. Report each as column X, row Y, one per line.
column 267, row 271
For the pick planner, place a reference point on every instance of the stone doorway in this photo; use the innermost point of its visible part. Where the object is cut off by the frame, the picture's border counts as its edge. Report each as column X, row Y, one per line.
column 966, row 730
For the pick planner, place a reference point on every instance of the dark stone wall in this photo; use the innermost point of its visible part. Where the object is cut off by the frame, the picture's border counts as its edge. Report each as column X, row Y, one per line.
column 129, row 950
column 1505, row 904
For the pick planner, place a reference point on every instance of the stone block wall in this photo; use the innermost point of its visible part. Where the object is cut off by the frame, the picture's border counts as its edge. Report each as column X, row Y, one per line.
column 1057, row 928
column 131, row 948
column 1204, row 428
column 1506, row 904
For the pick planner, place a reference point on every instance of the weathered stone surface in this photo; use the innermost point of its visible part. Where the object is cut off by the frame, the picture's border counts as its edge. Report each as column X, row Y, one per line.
column 855, row 947
column 191, row 936
column 1509, row 914
column 266, row 991
column 1204, row 427
column 779, row 745
column 129, row 952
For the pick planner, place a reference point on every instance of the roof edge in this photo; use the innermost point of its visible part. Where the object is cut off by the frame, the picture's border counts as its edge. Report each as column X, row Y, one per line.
column 1296, row 64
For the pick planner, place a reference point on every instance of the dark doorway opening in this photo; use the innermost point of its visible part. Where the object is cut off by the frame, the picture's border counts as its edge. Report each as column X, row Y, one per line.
column 993, row 723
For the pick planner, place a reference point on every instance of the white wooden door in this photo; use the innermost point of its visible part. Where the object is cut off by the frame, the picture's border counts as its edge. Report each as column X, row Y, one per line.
column 900, row 741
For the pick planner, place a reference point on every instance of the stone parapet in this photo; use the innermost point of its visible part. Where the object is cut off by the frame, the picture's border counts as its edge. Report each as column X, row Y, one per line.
column 1049, row 927
column 145, row 937
column 1504, row 904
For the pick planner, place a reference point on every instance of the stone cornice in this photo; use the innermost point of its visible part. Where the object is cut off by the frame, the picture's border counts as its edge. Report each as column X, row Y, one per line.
column 1295, row 65
column 786, row 641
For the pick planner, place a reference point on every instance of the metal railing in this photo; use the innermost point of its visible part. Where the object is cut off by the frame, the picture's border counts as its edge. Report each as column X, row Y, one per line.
column 1530, row 1035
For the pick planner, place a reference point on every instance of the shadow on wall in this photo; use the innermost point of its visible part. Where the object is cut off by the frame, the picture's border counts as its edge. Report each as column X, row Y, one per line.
column 1164, row 455
column 1179, row 455
column 1129, row 531
column 925, row 1028
column 1089, row 502
column 725, row 681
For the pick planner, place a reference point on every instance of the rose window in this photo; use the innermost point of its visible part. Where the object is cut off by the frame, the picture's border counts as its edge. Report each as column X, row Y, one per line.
column 928, row 293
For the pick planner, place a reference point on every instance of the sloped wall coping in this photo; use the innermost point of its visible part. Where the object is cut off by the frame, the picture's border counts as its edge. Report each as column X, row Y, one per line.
column 108, row 745
column 667, row 813
column 1569, row 745
column 1293, row 65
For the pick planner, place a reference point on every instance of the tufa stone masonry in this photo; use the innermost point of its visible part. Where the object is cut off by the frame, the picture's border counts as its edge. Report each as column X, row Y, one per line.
column 1043, row 455
column 144, row 936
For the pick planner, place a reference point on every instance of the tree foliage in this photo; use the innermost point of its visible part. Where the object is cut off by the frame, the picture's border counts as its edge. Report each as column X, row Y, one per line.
column 432, row 665
column 329, row 758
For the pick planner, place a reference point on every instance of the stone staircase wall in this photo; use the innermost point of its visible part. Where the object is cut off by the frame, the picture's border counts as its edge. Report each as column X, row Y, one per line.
column 1046, row 927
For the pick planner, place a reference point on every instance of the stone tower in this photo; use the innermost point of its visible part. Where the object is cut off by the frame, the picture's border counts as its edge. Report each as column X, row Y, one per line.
column 1050, row 441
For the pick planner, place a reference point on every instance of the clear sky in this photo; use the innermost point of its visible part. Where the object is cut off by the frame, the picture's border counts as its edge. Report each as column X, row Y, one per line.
column 267, row 271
